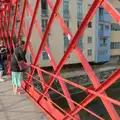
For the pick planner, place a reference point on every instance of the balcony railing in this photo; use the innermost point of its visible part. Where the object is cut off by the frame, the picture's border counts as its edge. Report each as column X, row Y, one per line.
column 101, row 18
column 81, row 45
column 79, row 16
column 66, row 14
column 44, row 12
column 101, row 33
column 103, row 44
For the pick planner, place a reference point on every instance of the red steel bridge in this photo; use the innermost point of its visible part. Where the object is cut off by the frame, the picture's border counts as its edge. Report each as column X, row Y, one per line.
column 42, row 98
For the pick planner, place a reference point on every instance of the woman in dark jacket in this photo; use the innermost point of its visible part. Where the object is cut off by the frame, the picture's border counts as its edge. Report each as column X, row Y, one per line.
column 3, row 57
column 17, row 74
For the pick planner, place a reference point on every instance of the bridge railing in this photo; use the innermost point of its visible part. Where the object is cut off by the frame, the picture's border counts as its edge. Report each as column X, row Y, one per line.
column 42, row 96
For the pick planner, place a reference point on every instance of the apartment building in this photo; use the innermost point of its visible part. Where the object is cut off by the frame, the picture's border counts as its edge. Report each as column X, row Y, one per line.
column 115, row 33
column 103, row 30
column 95, row 41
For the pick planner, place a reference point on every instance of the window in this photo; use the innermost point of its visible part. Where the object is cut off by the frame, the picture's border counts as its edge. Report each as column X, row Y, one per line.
column 101, row 11
column 28, row 22
column 103, row 41
column 78, row 23
column 67, row 23
column 102, row 52
column 66, row 42
column 44, row 7
column 44, row 24
column 101, row 30
column 89, row 39
column 115, row 27
column 44, row 53
column 89, row 52
column 89, row 6
column 90, row 25
column 101, row 27
column 65, row 9
column 101, row 14
column 80, row 43
column 118, row 9
column 107, row 27
column 115, row 45
column 79, row 10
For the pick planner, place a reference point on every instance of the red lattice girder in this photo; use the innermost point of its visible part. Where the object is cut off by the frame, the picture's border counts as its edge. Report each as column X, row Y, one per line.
column 42, row 99
column 52, row 60
column 39, row 72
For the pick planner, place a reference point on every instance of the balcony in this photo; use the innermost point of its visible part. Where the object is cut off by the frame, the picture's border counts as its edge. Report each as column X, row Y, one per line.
column 66, row 14
column 101, row 18
column 101, row 33
column 103, row 44
column 81, row 46
column 79, row 16
column 44, row 12
column 104, row 18
column 80, row 43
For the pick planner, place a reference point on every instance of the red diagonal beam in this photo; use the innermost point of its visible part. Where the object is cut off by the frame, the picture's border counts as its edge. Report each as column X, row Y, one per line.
column 106, row 84
column 39, row 73
column 21, row 20
column 33, row 55
column 9, row 10
column 52, row 17
column 65, row 90
column 5, row 23
column 65, row 28
column 30, row 30
column 75, row 39
column 30, row 46
column 112, row 11
column 77, row 86
column 13, row 25
column 2, row 28
column 96, row 83
column 32, row 24
column 89, row 111
column 8, row 26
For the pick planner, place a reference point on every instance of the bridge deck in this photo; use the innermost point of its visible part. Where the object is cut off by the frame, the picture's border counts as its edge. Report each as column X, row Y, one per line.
column 17, row 107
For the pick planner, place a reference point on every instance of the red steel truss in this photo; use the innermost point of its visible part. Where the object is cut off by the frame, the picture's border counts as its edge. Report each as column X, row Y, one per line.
column 43, row 99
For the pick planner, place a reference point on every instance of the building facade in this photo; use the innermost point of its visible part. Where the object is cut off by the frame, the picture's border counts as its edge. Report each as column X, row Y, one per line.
column 97, row 41
column 115, row 33
column 103, row 31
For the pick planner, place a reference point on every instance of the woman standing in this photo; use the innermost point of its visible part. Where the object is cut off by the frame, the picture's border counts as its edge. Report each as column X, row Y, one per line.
column 17, row 73
column 3, row 57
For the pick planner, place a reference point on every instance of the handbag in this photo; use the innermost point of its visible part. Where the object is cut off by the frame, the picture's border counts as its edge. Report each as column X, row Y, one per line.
column 21, row 64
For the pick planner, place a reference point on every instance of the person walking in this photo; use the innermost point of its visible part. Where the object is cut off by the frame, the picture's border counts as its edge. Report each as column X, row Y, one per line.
column 17, row 73
column 3, row 57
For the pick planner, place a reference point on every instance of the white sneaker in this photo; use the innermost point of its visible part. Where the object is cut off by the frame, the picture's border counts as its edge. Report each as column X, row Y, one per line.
column 2, row 80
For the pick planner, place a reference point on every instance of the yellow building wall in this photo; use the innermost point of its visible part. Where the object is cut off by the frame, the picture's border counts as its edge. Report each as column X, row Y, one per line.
column 56, row 37
column 115, row 35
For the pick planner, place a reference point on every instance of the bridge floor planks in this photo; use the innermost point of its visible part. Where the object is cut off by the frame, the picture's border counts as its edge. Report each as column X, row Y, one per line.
column 17, row 107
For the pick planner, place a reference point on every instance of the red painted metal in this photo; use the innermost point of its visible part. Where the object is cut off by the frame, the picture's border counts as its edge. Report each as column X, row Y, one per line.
column 94, row 7
column 42, row 99
column 13, row 25
column 112, row 11
column 65, row 90
column 21, row 20
column 32, row 23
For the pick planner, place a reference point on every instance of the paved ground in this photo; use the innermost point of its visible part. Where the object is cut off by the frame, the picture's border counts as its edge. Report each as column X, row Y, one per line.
column 17, row 107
